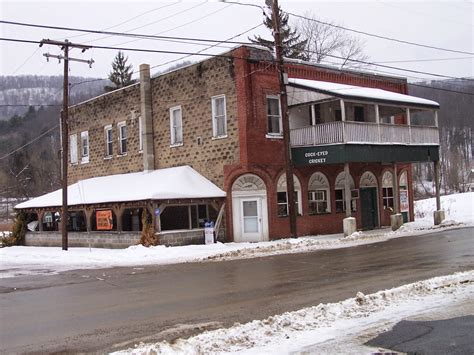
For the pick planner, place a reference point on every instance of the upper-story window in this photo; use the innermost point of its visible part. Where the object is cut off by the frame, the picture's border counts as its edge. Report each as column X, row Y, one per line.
column 274, row 116
column 176, row 126
column 73, row 148
column 108, row 141
column 85, row 147
column 122, row 130
column 219, row 116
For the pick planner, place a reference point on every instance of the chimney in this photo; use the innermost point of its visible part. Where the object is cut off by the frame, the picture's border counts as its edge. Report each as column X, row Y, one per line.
column 147, row 118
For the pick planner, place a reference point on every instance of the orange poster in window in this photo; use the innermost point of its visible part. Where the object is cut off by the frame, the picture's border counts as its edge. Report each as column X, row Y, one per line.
column 104, row 220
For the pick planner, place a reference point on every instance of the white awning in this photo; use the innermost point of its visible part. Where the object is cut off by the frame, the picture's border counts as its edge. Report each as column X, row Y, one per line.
column 173, row 183
column 302, row 91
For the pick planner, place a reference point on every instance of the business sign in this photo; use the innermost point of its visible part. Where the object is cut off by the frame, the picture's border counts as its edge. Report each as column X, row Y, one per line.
column 362, row 153
column 209, row 232
column 404, row 206
column 104, row 220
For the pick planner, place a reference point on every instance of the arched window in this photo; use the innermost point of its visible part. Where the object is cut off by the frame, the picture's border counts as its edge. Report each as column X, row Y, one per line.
column 340, row 193
column 282, row 198
column 318, row 194
column 387, row 189
column 368, row 179
column 248, row 183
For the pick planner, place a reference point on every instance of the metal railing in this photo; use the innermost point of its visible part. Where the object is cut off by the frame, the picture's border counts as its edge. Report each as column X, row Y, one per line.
column 363, row 133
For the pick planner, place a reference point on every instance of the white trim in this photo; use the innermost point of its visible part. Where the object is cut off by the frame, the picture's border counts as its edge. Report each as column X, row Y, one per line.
column 274, row 135
column 174, row 142
column 85, row 154
column 122, row 152
column 280, row 123
column 111, row 153
column 214, row 123
column 73, row 149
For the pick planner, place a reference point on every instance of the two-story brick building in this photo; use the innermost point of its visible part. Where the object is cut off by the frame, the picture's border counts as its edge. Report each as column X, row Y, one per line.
column 353, row 137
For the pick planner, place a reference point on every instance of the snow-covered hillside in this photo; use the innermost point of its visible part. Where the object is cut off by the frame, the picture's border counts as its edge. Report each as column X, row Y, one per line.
column 42, row 90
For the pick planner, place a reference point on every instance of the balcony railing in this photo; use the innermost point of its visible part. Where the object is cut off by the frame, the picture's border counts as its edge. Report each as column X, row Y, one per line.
column 363, row 133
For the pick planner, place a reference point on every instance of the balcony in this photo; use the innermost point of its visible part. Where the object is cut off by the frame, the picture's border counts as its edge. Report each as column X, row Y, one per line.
column 350, row 132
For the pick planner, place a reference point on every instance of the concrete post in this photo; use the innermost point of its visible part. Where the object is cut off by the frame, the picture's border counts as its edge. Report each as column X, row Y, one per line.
column 146, row 118
column 438, row 215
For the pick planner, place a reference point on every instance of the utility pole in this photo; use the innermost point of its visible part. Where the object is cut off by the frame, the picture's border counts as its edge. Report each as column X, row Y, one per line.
column 290, row 187
column 64, row 121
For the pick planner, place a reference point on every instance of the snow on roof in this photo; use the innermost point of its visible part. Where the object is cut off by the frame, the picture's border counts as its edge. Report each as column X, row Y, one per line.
column 173, row 183
column 359, row 92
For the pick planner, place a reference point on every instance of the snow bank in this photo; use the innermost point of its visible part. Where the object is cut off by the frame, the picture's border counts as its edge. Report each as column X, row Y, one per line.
column 292, row 331
column 17, row 261
column 457, row 207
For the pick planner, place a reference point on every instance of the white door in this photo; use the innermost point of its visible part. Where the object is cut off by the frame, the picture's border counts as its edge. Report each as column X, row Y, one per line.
column 251, row 221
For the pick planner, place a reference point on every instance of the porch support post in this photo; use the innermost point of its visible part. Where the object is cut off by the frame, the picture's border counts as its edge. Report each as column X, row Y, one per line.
column 343, row 118
column 118, row 215
column 396, row 195
column 436, row 118
column 88, row 212
column 409, row 124
column 40, row 215
column 396, row 219
column 347, row 190
column 377, row 120
column 438, row 214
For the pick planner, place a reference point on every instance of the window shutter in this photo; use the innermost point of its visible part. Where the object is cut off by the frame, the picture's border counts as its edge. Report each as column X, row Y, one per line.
column 73, row 148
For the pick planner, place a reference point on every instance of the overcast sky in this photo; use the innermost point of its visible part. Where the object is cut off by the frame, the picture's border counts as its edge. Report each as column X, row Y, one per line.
column 446, row 24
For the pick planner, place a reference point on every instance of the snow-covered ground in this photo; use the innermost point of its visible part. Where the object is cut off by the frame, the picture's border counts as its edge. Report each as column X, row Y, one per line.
column 17, row 261
column 335, row 328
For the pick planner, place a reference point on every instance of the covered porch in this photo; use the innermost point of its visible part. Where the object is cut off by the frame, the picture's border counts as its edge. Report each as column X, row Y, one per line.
column 112, row 211
column 334, row 123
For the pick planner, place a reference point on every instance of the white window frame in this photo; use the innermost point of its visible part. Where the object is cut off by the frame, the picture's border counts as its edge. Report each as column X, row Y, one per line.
column 140, row 134
column 73, row 149
column 108, row 153
column 121, row 139
column 313, row 198
column 175, row 141
column 274, row 134
column 214, row 100
column 85, row 147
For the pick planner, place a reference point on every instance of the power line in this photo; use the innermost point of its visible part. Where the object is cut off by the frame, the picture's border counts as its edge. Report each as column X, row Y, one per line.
column 152, row 23
column 25, row 105
column 378, row 36
column 122, row 34
column 133, row 18
column 422, row 60
column 29, row 143
column 144, row 50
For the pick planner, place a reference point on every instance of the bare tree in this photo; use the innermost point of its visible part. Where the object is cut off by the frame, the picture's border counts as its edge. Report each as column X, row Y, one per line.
column 325, row 41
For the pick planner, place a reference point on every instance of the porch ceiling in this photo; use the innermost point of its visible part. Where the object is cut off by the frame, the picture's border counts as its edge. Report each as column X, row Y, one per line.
column 303, row 91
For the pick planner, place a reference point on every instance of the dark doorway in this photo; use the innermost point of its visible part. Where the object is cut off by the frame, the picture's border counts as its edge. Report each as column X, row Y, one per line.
column 369, row 210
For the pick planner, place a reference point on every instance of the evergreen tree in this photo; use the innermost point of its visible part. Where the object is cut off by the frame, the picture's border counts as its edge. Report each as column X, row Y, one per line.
column 121, row 74
column 292, row 45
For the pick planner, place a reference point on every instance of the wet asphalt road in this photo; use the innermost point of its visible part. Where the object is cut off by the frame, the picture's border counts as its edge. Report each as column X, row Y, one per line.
column 109, row 309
